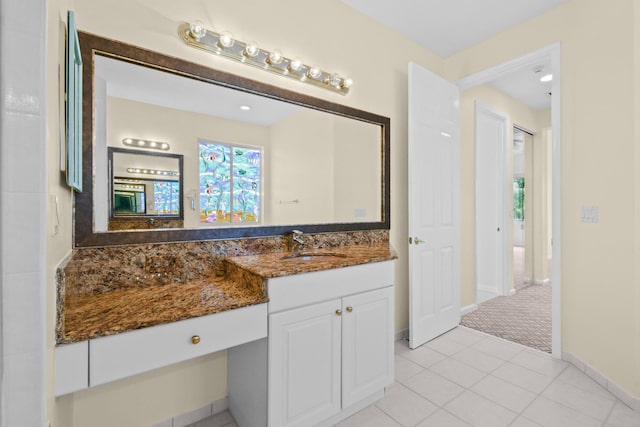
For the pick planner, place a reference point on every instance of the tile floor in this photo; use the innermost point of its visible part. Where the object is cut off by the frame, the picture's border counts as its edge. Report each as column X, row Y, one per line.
column 467, row 378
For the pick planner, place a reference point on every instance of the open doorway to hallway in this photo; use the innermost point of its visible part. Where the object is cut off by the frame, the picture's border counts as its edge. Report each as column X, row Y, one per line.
column 521, row 310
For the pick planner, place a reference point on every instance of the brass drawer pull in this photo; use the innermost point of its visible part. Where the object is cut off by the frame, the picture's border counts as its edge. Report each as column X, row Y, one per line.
column 195, row 339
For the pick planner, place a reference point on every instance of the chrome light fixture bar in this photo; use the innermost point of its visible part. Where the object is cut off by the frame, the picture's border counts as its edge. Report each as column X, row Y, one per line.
column 223, row 44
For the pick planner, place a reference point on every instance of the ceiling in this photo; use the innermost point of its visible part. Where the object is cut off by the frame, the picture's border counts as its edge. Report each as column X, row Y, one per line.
column 148, row 85
column 449, row 26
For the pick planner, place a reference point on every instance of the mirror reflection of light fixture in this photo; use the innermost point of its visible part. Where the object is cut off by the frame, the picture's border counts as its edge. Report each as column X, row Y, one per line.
column 143, row 143
column 194, row 34
column 153, row 172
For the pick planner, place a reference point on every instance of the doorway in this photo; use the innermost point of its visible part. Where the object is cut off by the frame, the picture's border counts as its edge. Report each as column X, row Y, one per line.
column 552, row 54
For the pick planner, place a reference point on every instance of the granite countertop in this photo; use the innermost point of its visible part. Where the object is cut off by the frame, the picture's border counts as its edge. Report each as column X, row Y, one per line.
column 91, row 315
column 107, row 313
column 284, row 264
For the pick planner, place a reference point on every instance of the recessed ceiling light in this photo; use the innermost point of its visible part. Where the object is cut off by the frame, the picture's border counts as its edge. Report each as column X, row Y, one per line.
column 245, row 107
column 546, row 78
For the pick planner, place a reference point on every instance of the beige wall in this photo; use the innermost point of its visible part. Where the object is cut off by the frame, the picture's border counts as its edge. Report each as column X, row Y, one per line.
column 599, row 140
column 335, row 37
column 519, row 114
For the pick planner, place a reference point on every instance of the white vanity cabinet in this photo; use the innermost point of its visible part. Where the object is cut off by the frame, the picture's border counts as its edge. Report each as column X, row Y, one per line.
column 329, row 351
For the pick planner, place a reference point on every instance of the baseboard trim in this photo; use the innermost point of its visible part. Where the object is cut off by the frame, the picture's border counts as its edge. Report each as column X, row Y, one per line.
column 629, row 399
column 468, row 309
column 542, row 282
column 195, row 415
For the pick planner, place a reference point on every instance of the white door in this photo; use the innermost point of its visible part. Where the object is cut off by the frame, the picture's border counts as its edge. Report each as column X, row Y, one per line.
column 304, row 365
column 367, row 344
column 434, row 206
column 493, row 200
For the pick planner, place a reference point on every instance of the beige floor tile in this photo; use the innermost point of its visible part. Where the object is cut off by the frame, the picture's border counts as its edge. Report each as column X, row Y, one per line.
column 458, row 372
column 433, row 387
column 540, row 362
column 479, row 411
column 405, row 369
column 623, row 416
column 524, row 422
column 445, row 345
column 577, row 378
column 504, row 394
column 498, row 348
column 464, row 336
column 479, row 360
column 369, row 417
column 593, row 405
column 405, row 406
column 443, row 419
column 424, row 356
column 522, row 377
column 548, row 413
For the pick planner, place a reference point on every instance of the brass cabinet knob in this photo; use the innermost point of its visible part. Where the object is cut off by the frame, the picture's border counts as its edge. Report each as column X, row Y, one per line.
column 349, row 309
column 339, row 312
column 195, row 339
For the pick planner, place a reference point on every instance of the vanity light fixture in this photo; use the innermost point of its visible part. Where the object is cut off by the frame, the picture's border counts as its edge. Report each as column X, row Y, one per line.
column 157, row 172
column 194, row 34
column 143, row 143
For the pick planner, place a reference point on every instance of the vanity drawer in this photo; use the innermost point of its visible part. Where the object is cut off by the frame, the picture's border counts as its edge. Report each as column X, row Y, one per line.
column 130, row 353
column 308, row 288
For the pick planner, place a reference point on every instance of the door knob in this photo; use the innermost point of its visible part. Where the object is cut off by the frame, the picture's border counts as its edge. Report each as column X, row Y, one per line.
column 195, row 339
column 418, row 240
column 349, row 309
column 339, row 312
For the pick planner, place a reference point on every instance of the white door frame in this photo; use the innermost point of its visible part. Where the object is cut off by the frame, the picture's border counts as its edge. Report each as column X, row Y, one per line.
column 505, row 221
column 554, row 53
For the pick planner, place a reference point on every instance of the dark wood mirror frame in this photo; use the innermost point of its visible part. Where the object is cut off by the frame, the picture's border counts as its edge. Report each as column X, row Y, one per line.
column 84, row 236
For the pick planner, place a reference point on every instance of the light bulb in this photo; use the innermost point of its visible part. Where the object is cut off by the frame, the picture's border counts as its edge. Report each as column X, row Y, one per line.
column 140, row 142
column 347, row 83
column 128, row 141
column 334, row 80
column 197, row 30
column 226, row 39
column 275, row 57
column 315, row 73
column 295, row 64
column 164, row 146
column 251, row 49
column 152, row 144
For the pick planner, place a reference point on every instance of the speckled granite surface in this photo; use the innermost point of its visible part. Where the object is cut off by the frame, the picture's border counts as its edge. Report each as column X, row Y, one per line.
column 104, row 291
column 284, row 264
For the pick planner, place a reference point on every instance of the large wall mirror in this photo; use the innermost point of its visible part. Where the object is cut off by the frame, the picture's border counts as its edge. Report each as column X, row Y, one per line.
column 223, row 157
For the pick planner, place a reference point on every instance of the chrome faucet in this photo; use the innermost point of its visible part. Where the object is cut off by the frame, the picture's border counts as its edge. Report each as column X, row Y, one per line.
column 296, row 242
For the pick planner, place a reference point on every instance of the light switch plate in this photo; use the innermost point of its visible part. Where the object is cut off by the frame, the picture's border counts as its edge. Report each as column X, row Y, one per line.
column 589, row 214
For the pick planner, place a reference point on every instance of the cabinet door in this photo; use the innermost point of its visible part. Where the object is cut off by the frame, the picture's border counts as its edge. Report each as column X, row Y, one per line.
column 304, row 365
column 367, row 344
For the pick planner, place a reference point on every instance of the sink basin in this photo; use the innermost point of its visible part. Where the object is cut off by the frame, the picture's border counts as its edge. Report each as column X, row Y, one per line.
column 311, row 256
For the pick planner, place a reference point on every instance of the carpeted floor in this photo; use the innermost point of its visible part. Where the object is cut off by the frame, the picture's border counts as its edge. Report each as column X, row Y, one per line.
column 524, row 318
